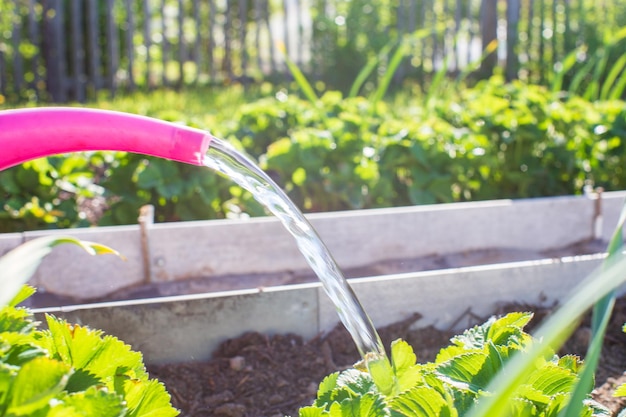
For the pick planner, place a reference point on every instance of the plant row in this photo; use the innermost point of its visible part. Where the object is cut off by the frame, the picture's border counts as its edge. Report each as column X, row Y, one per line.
column 494, row 140
column 69, row 370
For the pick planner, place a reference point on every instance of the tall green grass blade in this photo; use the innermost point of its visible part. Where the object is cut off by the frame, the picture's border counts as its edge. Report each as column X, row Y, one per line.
column 618, row 90
column 435, row 86
column 473, row 66
column 568, row 63
column 586, row 377
column 599, row 322
column 299, row 78
column 367, row 70
column 592, row 91
column 19, row 265
column 616, row 70
column 551, row 334
column 385, row 81
column 394, row 63
column 581, row 74
column 615, row 38
column 440, row 76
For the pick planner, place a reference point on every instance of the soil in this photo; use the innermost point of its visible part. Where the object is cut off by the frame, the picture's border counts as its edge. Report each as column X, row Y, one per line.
column 434, row 261
column 259, row 375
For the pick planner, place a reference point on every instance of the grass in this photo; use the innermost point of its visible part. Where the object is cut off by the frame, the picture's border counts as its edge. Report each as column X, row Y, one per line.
column 200, row 106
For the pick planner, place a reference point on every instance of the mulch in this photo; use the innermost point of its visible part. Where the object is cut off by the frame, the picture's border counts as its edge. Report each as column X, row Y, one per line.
column 259, row 375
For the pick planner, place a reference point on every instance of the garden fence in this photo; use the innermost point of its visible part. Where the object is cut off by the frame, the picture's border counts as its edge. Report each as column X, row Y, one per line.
column 62, row 50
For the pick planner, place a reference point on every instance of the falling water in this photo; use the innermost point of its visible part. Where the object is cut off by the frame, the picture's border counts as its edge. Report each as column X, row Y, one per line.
column 225, row 159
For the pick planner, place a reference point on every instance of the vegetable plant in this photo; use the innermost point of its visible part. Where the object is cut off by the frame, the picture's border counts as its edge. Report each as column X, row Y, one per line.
column 495, row 369
column 65, row 370
column 493, row 140
column 460, row 376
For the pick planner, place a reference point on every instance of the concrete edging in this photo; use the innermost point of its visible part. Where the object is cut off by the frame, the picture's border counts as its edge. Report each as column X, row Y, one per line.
column 190, row 327
column 185, row 250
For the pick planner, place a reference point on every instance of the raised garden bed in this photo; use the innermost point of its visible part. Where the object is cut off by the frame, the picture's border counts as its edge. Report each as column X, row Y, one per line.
column 453, row 264
column 260, row 375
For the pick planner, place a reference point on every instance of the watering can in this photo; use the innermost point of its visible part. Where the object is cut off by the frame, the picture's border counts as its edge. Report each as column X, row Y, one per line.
column 27, row 134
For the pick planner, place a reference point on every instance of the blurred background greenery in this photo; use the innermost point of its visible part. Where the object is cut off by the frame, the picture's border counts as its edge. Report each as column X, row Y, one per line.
column 347, row 104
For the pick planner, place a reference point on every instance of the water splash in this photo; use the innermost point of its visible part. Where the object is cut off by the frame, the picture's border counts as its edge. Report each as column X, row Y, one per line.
column 223, row 158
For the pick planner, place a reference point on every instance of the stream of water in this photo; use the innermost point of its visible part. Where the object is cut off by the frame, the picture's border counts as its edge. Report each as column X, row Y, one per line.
column 223, row 158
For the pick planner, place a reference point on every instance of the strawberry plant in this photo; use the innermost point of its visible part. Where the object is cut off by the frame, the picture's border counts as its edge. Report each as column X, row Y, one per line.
column 494, row 140
column 495, row 369
column 460, row 375
column 65, row 370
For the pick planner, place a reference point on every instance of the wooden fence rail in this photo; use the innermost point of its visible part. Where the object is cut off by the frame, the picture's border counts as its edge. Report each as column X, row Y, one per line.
column 62, row 50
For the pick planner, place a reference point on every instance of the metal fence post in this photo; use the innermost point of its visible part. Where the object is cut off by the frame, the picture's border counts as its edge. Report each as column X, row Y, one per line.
column 54, row 50
column 512, row 18
column 489, row 33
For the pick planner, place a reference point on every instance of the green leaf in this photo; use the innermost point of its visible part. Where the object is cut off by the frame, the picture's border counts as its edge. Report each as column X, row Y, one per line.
column 329, row 383
column 7, row 375
column 552, row 379
column 106, row 361
column 463, row 371
column 404, row 365
column 571, row 362
column 17, row 349
column 617, row 68
column 325, row 390
column 25, row 292
column 402, row 356
column 522, row 407
column 35, row 384
column 536, row 396
column 86, row 349
column 82, row 380
column 147, row 399
column 599, row 321
column 552, row 333
column 369, row 67
column 502, row 329
column 368, row 405
column 473, row 371
column 20, row 264
column 299, row 177
column 312, row 411
column 423, row 402
column 356, row 381
column 17, row 320
column 150, row 176
column 93, row 402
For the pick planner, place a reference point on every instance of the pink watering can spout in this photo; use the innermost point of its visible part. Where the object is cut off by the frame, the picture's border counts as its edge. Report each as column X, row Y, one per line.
column 27, row 134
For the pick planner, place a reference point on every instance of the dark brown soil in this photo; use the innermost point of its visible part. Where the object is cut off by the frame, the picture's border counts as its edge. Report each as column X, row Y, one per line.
column 258, row 375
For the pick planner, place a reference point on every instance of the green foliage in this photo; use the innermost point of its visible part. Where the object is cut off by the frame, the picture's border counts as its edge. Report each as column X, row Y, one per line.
column 44, row 192
column 66, row 370
column 459, row 377
column 601, row 314
column 20, row 264
column 71, row 370
column 597, row 76
column 178, row 191
column 340, row 46
column 494, row 140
